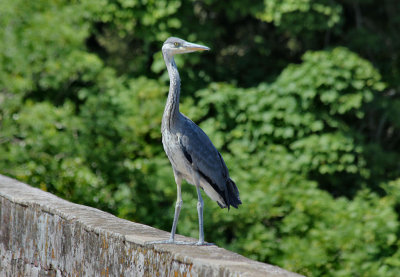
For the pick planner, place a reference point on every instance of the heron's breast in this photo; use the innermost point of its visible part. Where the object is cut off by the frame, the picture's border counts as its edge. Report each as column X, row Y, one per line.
column 175, row 154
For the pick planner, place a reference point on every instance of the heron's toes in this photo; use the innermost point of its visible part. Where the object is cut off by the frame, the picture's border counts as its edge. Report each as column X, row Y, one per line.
column 168, row 241
column 203, row 243
column 171, row 241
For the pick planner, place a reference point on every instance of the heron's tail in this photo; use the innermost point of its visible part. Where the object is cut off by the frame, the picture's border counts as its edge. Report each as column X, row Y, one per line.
column 232, row 194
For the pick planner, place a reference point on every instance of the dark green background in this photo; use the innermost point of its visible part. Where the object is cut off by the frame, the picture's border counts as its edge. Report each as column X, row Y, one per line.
column 301, row 97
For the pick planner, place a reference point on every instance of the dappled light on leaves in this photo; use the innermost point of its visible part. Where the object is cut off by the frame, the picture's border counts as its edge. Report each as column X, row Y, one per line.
column 300, row 97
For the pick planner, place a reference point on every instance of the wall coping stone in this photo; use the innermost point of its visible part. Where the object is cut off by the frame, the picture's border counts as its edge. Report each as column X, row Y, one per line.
column 44, row 235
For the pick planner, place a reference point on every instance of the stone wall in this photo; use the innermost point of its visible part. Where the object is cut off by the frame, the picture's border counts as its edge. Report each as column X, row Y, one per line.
column 43, row 235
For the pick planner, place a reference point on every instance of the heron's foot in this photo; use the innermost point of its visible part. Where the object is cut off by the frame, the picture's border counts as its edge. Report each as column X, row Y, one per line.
column 203, row 243
column 171, row 241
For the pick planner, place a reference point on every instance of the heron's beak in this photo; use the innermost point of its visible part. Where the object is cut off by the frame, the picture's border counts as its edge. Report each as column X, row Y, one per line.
column 191, row 47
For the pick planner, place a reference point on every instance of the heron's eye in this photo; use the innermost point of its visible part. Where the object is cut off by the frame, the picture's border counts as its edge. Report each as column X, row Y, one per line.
column 176, row 44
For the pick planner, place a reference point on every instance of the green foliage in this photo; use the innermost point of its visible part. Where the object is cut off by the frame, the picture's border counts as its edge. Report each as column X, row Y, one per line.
column 301, row 97
column 36, row 55
column 41, row 142
column 293, row 140
column 298, row 16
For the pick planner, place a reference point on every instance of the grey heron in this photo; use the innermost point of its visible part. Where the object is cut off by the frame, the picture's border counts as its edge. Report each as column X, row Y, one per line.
column 192, row 155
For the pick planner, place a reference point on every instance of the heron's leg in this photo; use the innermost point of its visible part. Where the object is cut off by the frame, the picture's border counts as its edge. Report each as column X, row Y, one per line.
column 200, row 205
column 178, row 206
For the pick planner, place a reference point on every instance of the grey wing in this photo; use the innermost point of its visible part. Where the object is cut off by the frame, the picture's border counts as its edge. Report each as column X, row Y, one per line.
column 205, row 158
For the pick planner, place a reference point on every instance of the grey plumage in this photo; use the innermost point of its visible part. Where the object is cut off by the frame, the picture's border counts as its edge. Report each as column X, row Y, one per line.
column 192, row 155
column 203, row 157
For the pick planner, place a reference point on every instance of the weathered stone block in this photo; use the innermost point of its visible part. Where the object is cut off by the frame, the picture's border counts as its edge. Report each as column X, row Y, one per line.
column 43, row 235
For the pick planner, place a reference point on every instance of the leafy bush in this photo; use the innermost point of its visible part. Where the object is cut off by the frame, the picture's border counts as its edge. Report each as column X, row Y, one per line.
column 309, row 129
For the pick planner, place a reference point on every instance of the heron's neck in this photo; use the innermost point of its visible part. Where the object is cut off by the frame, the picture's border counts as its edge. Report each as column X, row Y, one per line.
column 171, row 111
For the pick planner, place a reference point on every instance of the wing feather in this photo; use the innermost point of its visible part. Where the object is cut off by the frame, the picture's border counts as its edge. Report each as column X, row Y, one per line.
column 205, row 158
column 199, row 151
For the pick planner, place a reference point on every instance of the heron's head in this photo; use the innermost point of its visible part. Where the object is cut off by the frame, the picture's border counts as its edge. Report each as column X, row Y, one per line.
column 175, row 45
